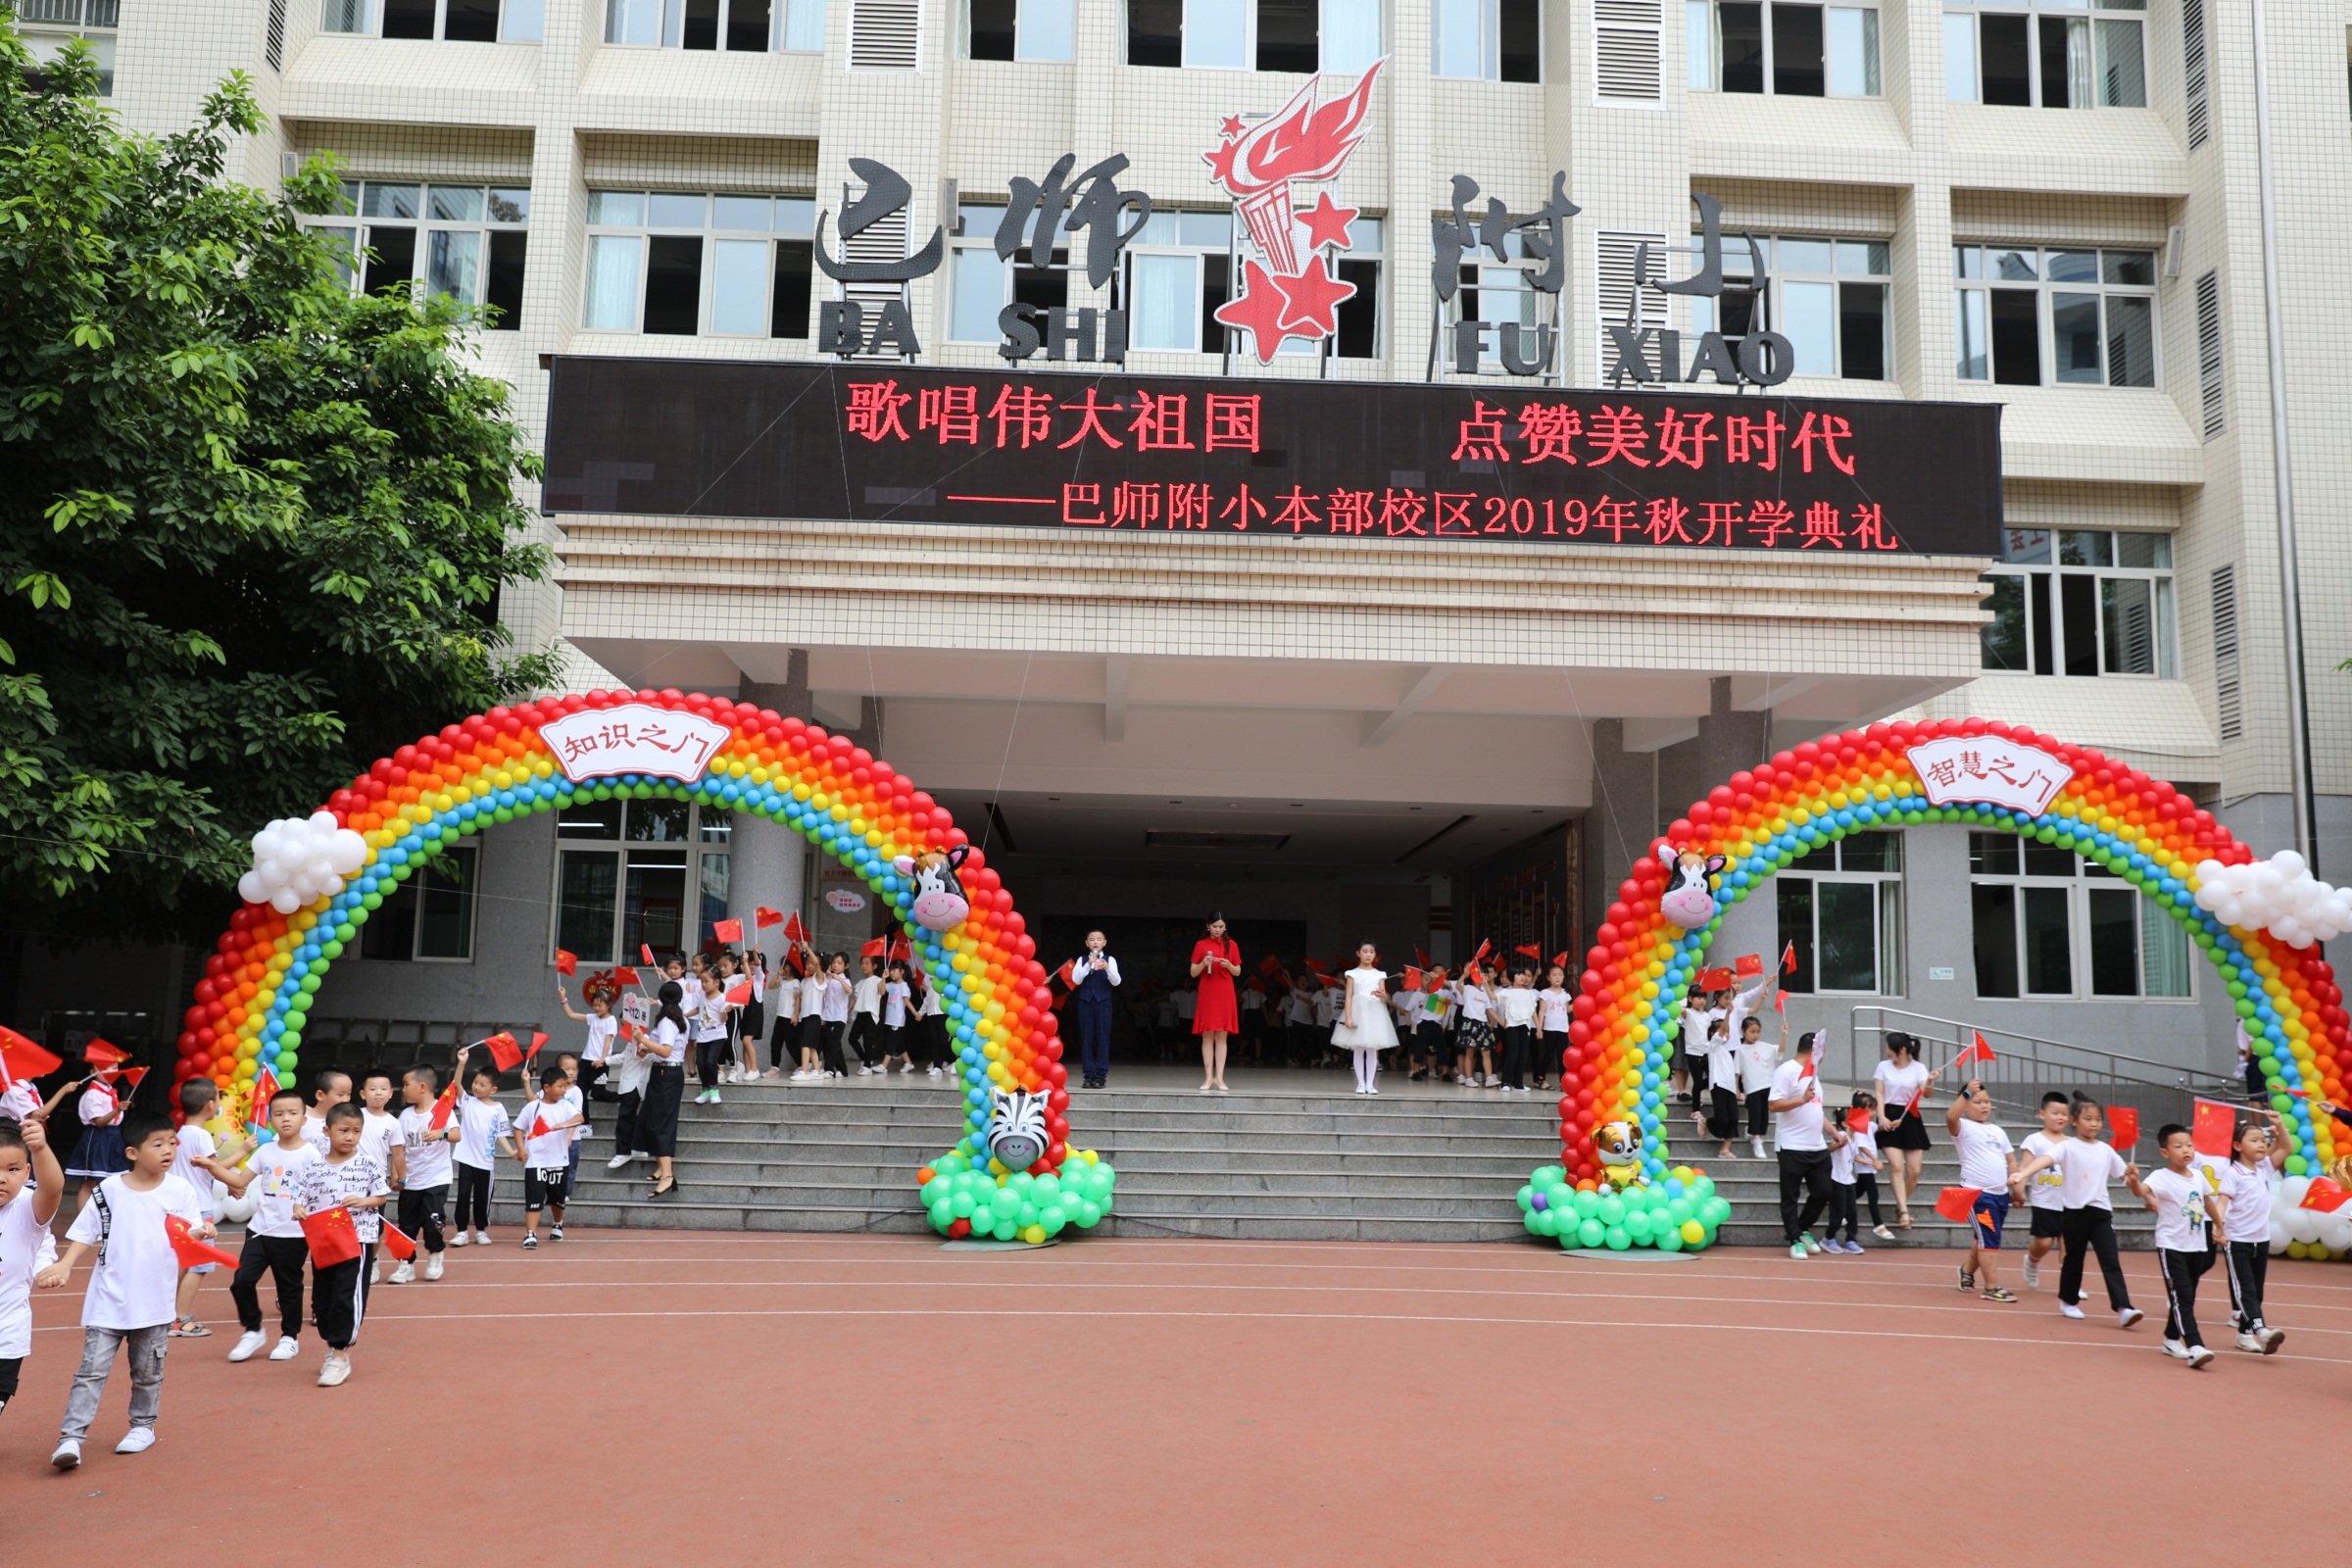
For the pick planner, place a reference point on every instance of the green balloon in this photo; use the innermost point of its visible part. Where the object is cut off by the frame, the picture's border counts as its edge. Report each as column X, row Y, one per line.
column 289, row 1039
column 1612, row 1211
column 1588, row 1203
column 1637, row 1226
column 1617, row 1238
column 287, row 1061
column 1591, row 1233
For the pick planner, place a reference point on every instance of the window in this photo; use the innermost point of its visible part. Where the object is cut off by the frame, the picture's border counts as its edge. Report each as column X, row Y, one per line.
column 1178, row 275
column 2047, row 54
column 1827, row 298
column 1501, row 294
column 429, row 918
column 737, row 26
column 1487, row 40
column 2048, row 923
column 623, row 869
column 465, row 241
column 49, row 26
column 1806, row 51
column 1295, row 35
column 686, row 265
column 1019, row 29
column 452, row 20
column 981, row 284
column 2082, row 602
column 1841, row 907
column 2024, row 316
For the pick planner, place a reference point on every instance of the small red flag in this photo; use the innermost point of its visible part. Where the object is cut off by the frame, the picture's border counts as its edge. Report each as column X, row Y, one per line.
column 902, row 951
column 22, row 1059
column 1560, row 959
column 2213, row 1128
column 2123, row 1125
column 1779, row 1001
column 1318, row 965
column 1857, row 1120
column 645, row 952
column 1067, row 974
column 1421, row 958
column 1957, row 1204
column 102, row 1054
column 873, row 949
column 504, row 1050
column 1748, row 965
column 1269, row 964
column 1532, row 950
column 131, row 1080
column 566, row 962
column 398, row 1242
column 1807, row 1070
column 1789, row 960
column 2324, row 1194
column 740, row 995
column 764, row 918
column 727, row 930
column 1979, row 1052
column 332, row 1237
column 624, row 975
column 1412, row 978
column 443, row 1104
column 537, row 1040
column 794, row 931
column 188, row 1248
column 1717, row 979
column 1479, row 957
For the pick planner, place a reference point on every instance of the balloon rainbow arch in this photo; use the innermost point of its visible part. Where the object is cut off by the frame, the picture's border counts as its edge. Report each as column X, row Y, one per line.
column 2247, row 915
column 315, row 881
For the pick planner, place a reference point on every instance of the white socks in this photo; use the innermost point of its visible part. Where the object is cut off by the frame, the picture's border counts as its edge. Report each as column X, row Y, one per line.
column 1367, row 1062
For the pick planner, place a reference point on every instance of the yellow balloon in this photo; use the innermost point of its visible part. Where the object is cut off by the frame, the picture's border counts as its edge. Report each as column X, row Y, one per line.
column 1694, row 1233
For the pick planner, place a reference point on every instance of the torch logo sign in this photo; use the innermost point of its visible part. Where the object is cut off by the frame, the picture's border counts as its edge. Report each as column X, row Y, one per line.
column 1283, row 292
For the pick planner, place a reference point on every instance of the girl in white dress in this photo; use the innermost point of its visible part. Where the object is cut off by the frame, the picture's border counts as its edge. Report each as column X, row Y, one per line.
column 1365, row 1027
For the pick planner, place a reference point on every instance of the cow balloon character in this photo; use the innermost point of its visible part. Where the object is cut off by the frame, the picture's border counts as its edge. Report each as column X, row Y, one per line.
column 939, row 900
column 1017, row 1136
column 1688, row 902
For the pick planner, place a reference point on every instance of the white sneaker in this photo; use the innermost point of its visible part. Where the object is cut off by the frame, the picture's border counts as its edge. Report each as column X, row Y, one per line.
column 376, row 1273
column 2199, row 1359
column 864, row 1071
column 1808, row 1242
column 616, row 1162
column 1757, row 1146
column 2271, row 1338
column 906, row 1067
column 336, row 1370
column 2032, row 1275
column 2251, row 1344
column 1371, row 1091
column 286, row 1348
column 800, row 1077
column 2069, row 1309
column 712, row 1097
column 1881, row 1233
column 481, row 1237
column 138, row 1440
column 461, row 1240
column 432, row 1266
column 2128, row 1318
column 2176, row 1350
column 1494, row 1080
column 246, row 1347
column 930, row 1073
column 68, row 1455
column 405, row 1274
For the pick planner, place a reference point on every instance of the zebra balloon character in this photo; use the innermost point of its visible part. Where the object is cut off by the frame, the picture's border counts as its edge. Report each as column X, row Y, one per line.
column 1016, row 1128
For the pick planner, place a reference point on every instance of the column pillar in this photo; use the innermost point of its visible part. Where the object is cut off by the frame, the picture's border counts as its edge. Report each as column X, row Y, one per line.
column 1623, row 816
column 770, row 861
column 1728, row 739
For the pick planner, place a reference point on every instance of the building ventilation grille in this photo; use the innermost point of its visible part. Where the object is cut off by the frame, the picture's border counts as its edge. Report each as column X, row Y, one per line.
column 1627, row 53
column 1614, row 278
column 2192, row 70
column 884, row 241
column 273, row 36
column 2208, row 352
column 2228, row 697
column 886, row 36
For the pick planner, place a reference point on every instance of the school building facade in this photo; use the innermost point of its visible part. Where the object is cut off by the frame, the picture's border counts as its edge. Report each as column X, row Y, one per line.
column 1335, row 733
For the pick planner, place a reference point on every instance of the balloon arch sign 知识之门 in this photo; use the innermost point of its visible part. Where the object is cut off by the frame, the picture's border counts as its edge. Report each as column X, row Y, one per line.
column 316, row 880
column 2256, row 920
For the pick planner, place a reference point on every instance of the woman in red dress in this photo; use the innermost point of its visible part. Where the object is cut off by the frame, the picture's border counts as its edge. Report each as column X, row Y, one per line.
column 1216, row 960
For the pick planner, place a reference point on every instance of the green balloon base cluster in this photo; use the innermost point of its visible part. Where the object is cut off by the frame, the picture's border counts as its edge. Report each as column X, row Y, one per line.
column 1015, row 1206
column 1680, row 1214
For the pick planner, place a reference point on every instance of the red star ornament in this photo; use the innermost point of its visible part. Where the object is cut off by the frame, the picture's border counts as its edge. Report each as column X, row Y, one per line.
column 1257, row 309
column 1310, row 301
column 1220, row 163
column 1230, row 126
column 1327, row 222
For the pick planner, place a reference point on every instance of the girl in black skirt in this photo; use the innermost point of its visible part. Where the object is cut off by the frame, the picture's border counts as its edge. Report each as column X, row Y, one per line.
column 664, row 1085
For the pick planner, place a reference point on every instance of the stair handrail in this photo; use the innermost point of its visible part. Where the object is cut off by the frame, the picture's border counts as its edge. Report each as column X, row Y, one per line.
column 2022, row 1060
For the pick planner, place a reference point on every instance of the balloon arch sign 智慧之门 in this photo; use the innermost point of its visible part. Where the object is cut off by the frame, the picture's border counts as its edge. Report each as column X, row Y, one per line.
column 2255, row 920
column 316, row 880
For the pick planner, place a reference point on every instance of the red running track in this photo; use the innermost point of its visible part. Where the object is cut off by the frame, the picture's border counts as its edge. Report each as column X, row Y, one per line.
column 638, row 1397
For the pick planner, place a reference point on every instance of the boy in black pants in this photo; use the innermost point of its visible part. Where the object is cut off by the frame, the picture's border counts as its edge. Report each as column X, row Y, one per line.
column 273, row 1239
column 424, row 1170
column 2086, row 1165
column 347, row 1179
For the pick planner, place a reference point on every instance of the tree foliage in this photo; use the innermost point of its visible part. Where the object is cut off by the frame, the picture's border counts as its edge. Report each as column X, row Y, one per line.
column 252, row 527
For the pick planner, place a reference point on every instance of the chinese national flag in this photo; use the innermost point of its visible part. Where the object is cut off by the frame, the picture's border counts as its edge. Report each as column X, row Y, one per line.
column 1957, row 1204
column 646, row 953
column 102, row 1054
column 624, row 975
column 1531, row 950
column 2324, row 1194
column 740, row 995
column 442, row 1106
column 1560, row 959
column 1716, row 980
column 1421, row 958
column 1857, row 1120
column 537, row 1040
column 398, row 1242
column 1318, row 966
column 1748, row 965
column 1412, row 979
column 1779, row 1001
column 873, row 949
column 1789, row 960
column 1067, row 974
column 794, row 931
column 900, row 949
column 2123, row 1125
column 131, row 1080
column 727, row 930
column 188, row 1248
column 332, row 1237
column 2213, row 1128
column 21, row 1058
column 1979, row 1052
column 764, row 918
column 506, row 1050
column 1269, row 964
column 566, row 962
column 1479, row 957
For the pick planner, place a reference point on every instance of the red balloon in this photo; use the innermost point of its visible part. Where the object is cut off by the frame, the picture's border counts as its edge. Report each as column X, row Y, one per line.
column 960, row 1229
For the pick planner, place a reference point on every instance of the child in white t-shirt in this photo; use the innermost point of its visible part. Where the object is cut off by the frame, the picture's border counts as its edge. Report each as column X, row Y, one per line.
column 129, row 1300
column 198, row 1164
column 896, row 993
column 1867, row 1161
column 2085, row 1164
column 273, row 1241
column 2044, row 1196
column 32, row 1188
column 343, row 1177
column 483, row 1135
column 544, row 1134
column 1849, row 1162
column 2184, row 1204
column 2247, row 1184
column 1515, row 1007
column 327, row 1091
column 1987, row 1163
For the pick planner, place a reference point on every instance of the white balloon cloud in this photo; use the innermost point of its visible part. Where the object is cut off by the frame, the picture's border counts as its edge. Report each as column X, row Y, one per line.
column 298, row 860
column 2279, row 895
